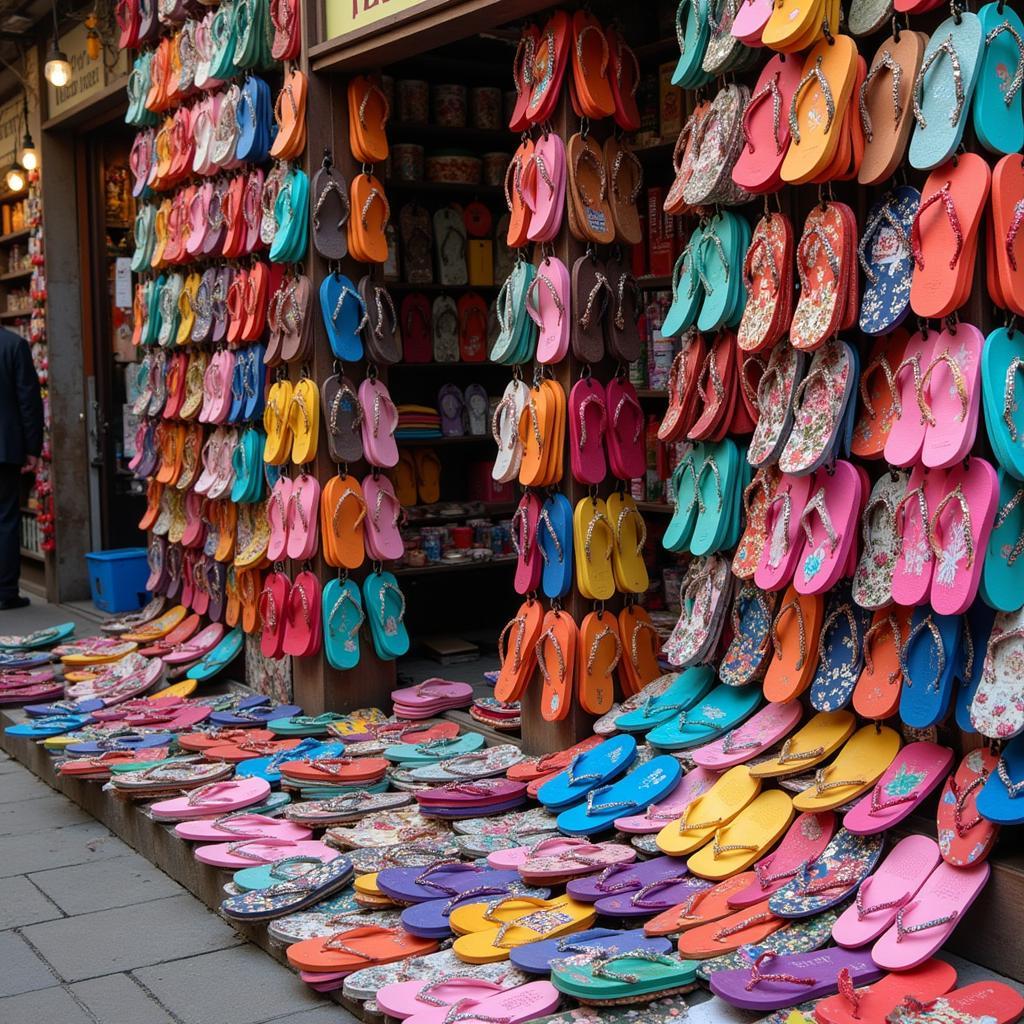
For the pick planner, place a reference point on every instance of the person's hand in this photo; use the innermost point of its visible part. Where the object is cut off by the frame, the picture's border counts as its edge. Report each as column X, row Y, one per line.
column 32, row 463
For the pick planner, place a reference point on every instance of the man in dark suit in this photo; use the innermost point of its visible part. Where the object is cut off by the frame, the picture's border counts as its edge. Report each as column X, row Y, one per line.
column 21, row 442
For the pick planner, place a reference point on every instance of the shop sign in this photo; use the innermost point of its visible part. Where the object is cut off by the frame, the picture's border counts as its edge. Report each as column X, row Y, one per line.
column 11, row 130
column 88, row 77
column 345, row 17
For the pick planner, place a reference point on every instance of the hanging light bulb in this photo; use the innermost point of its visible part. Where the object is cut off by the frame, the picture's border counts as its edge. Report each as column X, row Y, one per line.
column 27, row 155
column 15, row 178
column 58, row 68
column 93, row 45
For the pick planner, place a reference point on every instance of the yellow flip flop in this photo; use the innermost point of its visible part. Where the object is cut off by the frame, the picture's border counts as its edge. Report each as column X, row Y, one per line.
column 710, row 811
column 791, row 23
column 100, row 657
column 594, row 538
column 630, row 532
column 278, row 445
column 159, row 627
column 817, row 740
column 187, row 308
column 516, row 921
column 183, row 689
column 746, row 838
column 304, row 420
column 858, row 766
column 367, row 885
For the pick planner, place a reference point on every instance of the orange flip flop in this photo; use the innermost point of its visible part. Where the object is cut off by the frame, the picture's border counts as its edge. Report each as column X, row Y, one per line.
column 342, row 515
column 591, row 65
column 877, row 693
column 702, row 908
column 518, row 212
column 1006, row 262
column 367, row 225
column 290, row 115
column 556, row 658
column 593, row 220
column 747, row 926
column 878, row 395
column 600, row 653
column 368, row 113
column 757, row 497
column 641, row 644
column 517, row 649
column 357, row 948
column 795, row 637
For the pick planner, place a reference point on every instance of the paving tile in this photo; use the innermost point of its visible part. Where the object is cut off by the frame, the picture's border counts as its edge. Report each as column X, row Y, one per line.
column 22, row 785
column 327, row 1013
column 235, row 986
column 53, row 1006
column 22, row 903
column 148, row 933
column 37, row 814
column 23, row 971
column 75, row 844
column 117, row 999
column 116, row 882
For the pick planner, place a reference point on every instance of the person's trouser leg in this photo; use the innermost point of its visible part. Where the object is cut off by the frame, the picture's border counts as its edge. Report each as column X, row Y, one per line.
column 10, row 530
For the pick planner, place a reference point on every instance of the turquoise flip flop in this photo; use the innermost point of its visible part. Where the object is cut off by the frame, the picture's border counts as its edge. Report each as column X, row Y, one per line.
column 385, row 608
column 723, row 709
column 683, row 488
column 689, row 687
column 693, row 31
column 219, row 658
column 1004, row 416
column 410, row 755
column 1002, row 576
column 342, row 606
column 998, row 115
column 687, row 292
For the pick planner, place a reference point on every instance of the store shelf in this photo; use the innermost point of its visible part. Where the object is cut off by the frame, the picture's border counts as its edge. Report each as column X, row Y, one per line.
column 665, row 47
column 495, row 509
column 659, row 151
column 16, row 275
column 658, row 508
column 437, row 568
column 33, row 556
column 15, row 236
column 655, row 282
column 24, row 315
column 481, row 140
column 431, row 442
column 445, row 188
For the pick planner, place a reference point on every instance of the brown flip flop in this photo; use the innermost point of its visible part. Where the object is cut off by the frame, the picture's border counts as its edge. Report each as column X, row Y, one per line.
column 343, row 416
column 623, row 333
column 380, row 331
column 588, row 191
column 416, row 227
column 329, row 213
column 591, row 301
column 626, row 179
column 885, row 105
column 294, row 319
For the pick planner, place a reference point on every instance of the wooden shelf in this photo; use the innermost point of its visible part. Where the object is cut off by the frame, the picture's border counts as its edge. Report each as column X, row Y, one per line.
column 15, row 275
column 16, row 316
column 33, row 556
column 436, row 568
column 477, row 139
column 445, row 188
column 496, row 509
column 655, row 282
column 15, row 236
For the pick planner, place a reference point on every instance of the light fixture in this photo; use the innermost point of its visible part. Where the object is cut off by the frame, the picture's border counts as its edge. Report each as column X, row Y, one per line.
column 27, row 155
column 15, row 178
column 58, row 68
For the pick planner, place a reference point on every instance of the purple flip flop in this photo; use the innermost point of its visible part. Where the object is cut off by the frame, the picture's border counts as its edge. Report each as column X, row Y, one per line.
column 622, row 879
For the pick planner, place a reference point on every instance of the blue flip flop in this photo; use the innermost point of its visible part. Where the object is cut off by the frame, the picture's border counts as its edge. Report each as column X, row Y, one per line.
column 430, row 920
column 1002, row 576
column 723, row 709
column 52, row 725
column 13, row 660
column 229, row 647
column 555, row 540
column 64, row 707
column 537, row 957
column 269, row 768
column 1001, row 799
column 288, row 869
column 941, row 122
column 385, row 607
column 587, row 770
column 747, row 655
column 887, row 261
column 929, row 661
column 690, row 686
column 131, row 741
column 258, row 712
column 342, row 606
column 636, row 791
column 841, row 649
column 343, row 311
column 998, row 119
column 1002, row 348
column 976, row 631
column 288, row 897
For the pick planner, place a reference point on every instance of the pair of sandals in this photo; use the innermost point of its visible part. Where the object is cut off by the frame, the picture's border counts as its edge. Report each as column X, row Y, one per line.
column 291, row 616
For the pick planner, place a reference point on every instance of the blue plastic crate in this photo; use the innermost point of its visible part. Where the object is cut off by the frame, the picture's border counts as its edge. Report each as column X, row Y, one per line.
column 117, row 579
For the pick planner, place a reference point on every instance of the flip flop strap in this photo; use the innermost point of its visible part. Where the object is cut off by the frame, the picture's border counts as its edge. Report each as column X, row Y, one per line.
column 507, row 404
column 962, row 540
column 346, row 595
column 602, row 288
column 519, row 624
column 757, row 975
column 1010, row 393
column 386, row 588
column 626, row 512
column 761, row 246
column 494, row 907
column 818, row 505
column 886, row 214
column 586, row 153
column 815, row 74
column 593, row 806
column 770, row 88
column 711, row 463
column 549, row 636
column 375, row 194
column 622, row 156
column 758, row 484
column 581, row 56
column 514, row 171
column 873, row 630
column 1014, row 789
column 539, row 279
column 764, row 879
column 711, row 237
column 1011, row 234
column 709, row 371
column 795, row 607
column 747, row 922
column 623, row 49
column 881, row 363
column 958, row 381
column 594, row 647
column 522, row 538
column 331, row 186
column 522, row 68
column 680, row 31
column 961, row 796
column 373, row 90
column 643, row 626
column 591, row 399
column 598, row 519
column 815, row 236
column 885, row 60
column 945, row 47
column 818, row 376
column 1004, row 513
column 926, row 623
column 627, row 282
column 902, row 930
column 946, row 196
column 748, row 595
column 545, row 518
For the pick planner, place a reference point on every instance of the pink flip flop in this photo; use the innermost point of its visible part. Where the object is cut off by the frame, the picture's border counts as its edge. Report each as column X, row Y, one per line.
column 692, row 785
column 213, row 798
column 277, row 517
column 524, row 540
column 543, row 184
column 547, row 302
column 588, row 420
column 512, row 1006
column 829, row 520
column 383, row 514
column 248, row 853
column 906, row 438
column 303, row 518
column 774, row 722
column 784, row 539
column 765, row 133
column 402, row 999
column 923, row 925
column 303, row 629
column 917, row 769
column 893, row 885
column 951, row 396
column 912, row 574
column 380, row 418
column 513, row 858
column 806, row 839
column 627, row 454
column 237, row 827
column 198, row 647
column 747, row 26
column 586, row 859
column 960, row 526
